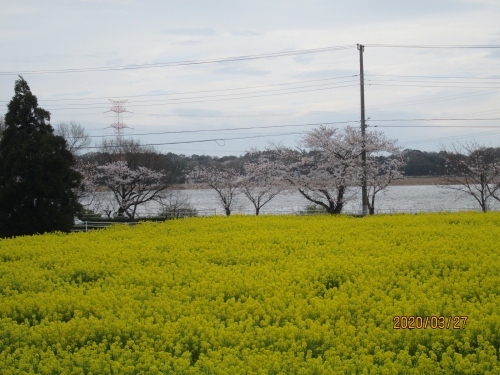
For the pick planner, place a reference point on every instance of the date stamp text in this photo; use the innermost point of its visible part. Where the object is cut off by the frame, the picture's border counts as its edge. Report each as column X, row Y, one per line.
column 433, row 322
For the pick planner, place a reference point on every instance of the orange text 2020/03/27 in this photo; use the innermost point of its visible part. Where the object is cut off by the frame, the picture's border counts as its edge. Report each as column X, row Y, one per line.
column 433, row 322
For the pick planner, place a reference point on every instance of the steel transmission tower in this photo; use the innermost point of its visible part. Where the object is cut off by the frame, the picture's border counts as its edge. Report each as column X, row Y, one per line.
column 118, row 109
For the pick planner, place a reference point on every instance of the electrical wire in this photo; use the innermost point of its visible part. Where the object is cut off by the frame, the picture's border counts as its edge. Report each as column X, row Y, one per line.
column 442, row 46
column 425, row 76
column 441, row 98
column 432, row 86
column 214, row 100
column 132, row 103
column 236, row 129
column 329, row 123
column 203, row 140
column 375, row 107
column 436, row 126
column 196, row 92
column 425, row 81
column 435, row 119
column 183, row 63
column 240, row 58
column 429, row 140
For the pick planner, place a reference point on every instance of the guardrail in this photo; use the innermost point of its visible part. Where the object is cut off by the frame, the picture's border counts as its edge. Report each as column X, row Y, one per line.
column 85, row 226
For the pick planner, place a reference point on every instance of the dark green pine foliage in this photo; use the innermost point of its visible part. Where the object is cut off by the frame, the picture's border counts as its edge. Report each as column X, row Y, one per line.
column 37, row 177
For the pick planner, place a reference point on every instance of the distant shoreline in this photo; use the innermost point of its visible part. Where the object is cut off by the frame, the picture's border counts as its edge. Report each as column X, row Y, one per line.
column 421, row 180
column 408, row 181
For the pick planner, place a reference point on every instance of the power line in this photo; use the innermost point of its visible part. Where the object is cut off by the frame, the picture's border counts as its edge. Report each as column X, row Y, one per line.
column 441, row 98
column 291, row 92
column 215, row 100
column 442, row 46
column 160, row 115
column 239, row 58
column 223, row 140
column 183, row 63
column 216, row 140
column 304, row 113
column 432, row 77
column 433, row 86
column 326, row 123
column 331, row 84
column 274, row 85
column 452, row 137
column 436, row 126
column 232, row 116
column 431, row 81
column 436, row 119
column 236, row 129
column 196, row 92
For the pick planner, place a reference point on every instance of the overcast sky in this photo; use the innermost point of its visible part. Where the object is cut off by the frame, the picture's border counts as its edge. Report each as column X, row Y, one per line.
column 455, row 88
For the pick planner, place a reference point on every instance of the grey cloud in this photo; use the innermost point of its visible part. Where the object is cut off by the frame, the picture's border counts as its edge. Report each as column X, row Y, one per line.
column 495, row 54
column 78, row 93
column 303, row 59
column 190, row 31
column 240, row 70
column 16, row 9
column 327, row 73
column 159, row 92
column 200, row 112
column 47, row 57
column 188, row 42
column 246, row 33
column 117, row 61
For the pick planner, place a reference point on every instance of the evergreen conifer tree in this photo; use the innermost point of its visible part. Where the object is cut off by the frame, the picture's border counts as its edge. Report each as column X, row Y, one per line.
column 37, row 178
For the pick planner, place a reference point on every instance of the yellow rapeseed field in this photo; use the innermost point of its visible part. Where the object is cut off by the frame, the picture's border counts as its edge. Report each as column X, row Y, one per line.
column 401, row 294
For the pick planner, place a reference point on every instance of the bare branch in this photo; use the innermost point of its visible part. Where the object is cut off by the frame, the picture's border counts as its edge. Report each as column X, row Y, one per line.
column 473, row 169
column 75, row 135
column 225, row 182
column 261, row 182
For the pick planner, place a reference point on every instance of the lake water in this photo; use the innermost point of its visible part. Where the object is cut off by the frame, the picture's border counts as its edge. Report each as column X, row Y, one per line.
column 394, row 199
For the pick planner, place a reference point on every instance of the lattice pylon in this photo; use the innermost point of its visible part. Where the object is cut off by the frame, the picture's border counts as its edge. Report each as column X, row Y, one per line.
column 118, row 109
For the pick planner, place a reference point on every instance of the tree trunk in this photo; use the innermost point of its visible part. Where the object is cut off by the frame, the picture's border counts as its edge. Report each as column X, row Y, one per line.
column 336, row 207
column 228, row 211
column 371, row 207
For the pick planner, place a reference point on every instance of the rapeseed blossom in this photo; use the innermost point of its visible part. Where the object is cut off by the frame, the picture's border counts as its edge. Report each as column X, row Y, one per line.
column 274, row 295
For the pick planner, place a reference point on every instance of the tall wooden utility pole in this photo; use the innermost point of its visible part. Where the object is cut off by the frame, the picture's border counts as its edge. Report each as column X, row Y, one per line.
column 364, row 192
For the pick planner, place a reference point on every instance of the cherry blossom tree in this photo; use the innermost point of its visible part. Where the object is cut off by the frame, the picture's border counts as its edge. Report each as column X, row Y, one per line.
column 87, row 190
column 224, row 181
column 473, row 169
column 132, row 187
column 134, row 173
column 261, row 181
column 380, row 173
column 328, row 169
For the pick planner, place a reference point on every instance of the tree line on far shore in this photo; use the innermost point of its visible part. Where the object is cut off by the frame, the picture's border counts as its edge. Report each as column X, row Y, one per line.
column 47, row 178
column 417, row 163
